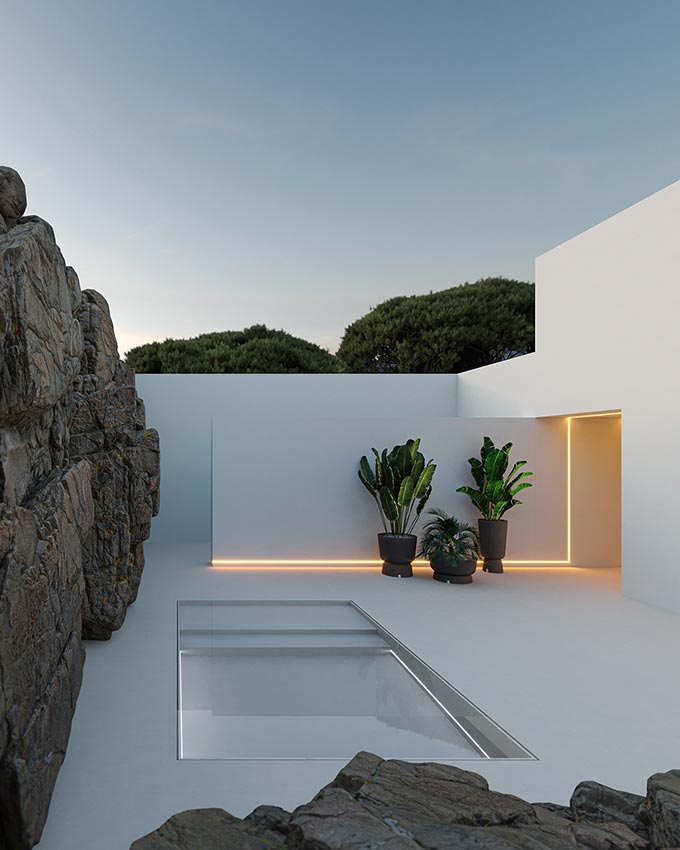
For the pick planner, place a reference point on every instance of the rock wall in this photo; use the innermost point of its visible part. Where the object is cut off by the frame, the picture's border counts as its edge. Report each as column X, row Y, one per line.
column 79, row 483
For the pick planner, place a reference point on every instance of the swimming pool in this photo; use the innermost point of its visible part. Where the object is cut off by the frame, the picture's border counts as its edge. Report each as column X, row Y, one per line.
column 316, row 680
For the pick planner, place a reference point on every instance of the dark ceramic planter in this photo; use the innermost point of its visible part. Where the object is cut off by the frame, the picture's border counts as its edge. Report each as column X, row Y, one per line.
column 452, row 571
column 397, row 552
column 493, row 535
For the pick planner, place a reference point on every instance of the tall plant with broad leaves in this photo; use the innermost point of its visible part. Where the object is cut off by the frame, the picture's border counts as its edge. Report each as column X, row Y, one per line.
column 400, row 482
column 495, row 492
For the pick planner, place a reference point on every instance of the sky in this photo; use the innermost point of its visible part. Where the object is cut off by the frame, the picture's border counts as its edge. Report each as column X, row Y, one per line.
column 212, row 165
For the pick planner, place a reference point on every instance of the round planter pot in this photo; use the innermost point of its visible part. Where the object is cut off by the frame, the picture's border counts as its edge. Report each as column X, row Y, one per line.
column 397, row 552
column 493, row 535
column 452, row 571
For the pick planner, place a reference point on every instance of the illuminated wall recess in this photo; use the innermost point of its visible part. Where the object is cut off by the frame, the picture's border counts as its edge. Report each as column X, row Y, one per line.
column 361, row 565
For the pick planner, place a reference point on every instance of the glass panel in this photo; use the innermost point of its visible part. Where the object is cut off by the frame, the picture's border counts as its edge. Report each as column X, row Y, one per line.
column 316, row 680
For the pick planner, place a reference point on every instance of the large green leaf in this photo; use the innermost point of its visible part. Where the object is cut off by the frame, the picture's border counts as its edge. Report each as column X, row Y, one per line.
column 405, row 492
column 425, row 499
column 414, row 446
column 367, row 472
column 495, row 490
column 417, row 468
column 419, row 508
column 495, row 464
column 389, row 505
column 477, row 469
column 480, row 501
column 366, row 484
column 500, row 508
column 508, row 505
column 388, row 475
column 402, row 462
column 510, row 482
column 487, row 447
column 519, row 487
column 518, row 465
column 378, row 469
column 424, row 480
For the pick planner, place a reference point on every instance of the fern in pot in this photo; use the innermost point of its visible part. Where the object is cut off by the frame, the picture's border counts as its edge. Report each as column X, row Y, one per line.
column 451, row 546
column 400, row 483
column 493, row 496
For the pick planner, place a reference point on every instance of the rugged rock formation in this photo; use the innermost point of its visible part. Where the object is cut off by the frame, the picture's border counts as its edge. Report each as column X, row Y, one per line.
column 662, row 806
column 595, row 803
column 397, row 805
column 12, row 198
column 79, row 479
column 107, row 428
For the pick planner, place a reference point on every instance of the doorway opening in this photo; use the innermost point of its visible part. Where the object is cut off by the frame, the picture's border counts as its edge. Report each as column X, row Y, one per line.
column 595, row 489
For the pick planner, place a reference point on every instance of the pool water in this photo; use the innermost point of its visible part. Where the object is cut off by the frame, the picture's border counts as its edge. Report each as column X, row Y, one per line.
column 316, row 680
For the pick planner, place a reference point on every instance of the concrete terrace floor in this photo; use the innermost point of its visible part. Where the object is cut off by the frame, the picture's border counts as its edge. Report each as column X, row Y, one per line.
column 585, row 678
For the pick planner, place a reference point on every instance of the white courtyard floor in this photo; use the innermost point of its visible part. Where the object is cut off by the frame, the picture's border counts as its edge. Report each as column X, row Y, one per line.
column 585, row 678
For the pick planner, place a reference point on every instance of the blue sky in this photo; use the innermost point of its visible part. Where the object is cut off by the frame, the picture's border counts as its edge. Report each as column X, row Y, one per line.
column 209, row 165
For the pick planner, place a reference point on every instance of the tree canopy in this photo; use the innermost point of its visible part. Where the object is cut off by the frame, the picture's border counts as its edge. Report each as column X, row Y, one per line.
column 256, row 350
column 453, row 330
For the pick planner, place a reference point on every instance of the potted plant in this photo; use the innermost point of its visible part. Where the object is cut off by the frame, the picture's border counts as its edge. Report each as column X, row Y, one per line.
column 399, row 481
column 494, row 495
column 451, row 546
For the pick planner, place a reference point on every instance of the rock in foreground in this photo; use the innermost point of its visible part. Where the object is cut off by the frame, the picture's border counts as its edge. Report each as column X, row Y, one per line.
column 396, row 805
column 662, row 806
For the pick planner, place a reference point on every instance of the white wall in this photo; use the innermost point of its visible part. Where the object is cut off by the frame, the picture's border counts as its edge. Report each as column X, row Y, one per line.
column 181, row 408
column 287, row 487
column 607, row 307
column 606, row 324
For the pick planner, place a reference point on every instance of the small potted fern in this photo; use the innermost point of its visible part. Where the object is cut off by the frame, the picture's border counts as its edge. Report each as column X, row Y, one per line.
column 451, row 546
column 400, row 483
column 493, row 497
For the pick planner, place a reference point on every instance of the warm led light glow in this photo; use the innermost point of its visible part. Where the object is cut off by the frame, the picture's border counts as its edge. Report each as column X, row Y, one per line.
column 569, row 420
column 569, row 489
column 237, row 566
column 536, row 561
column 311, row 563
column 594, row 415
column 303, row 561
column 549, row 566
column 354, row 564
